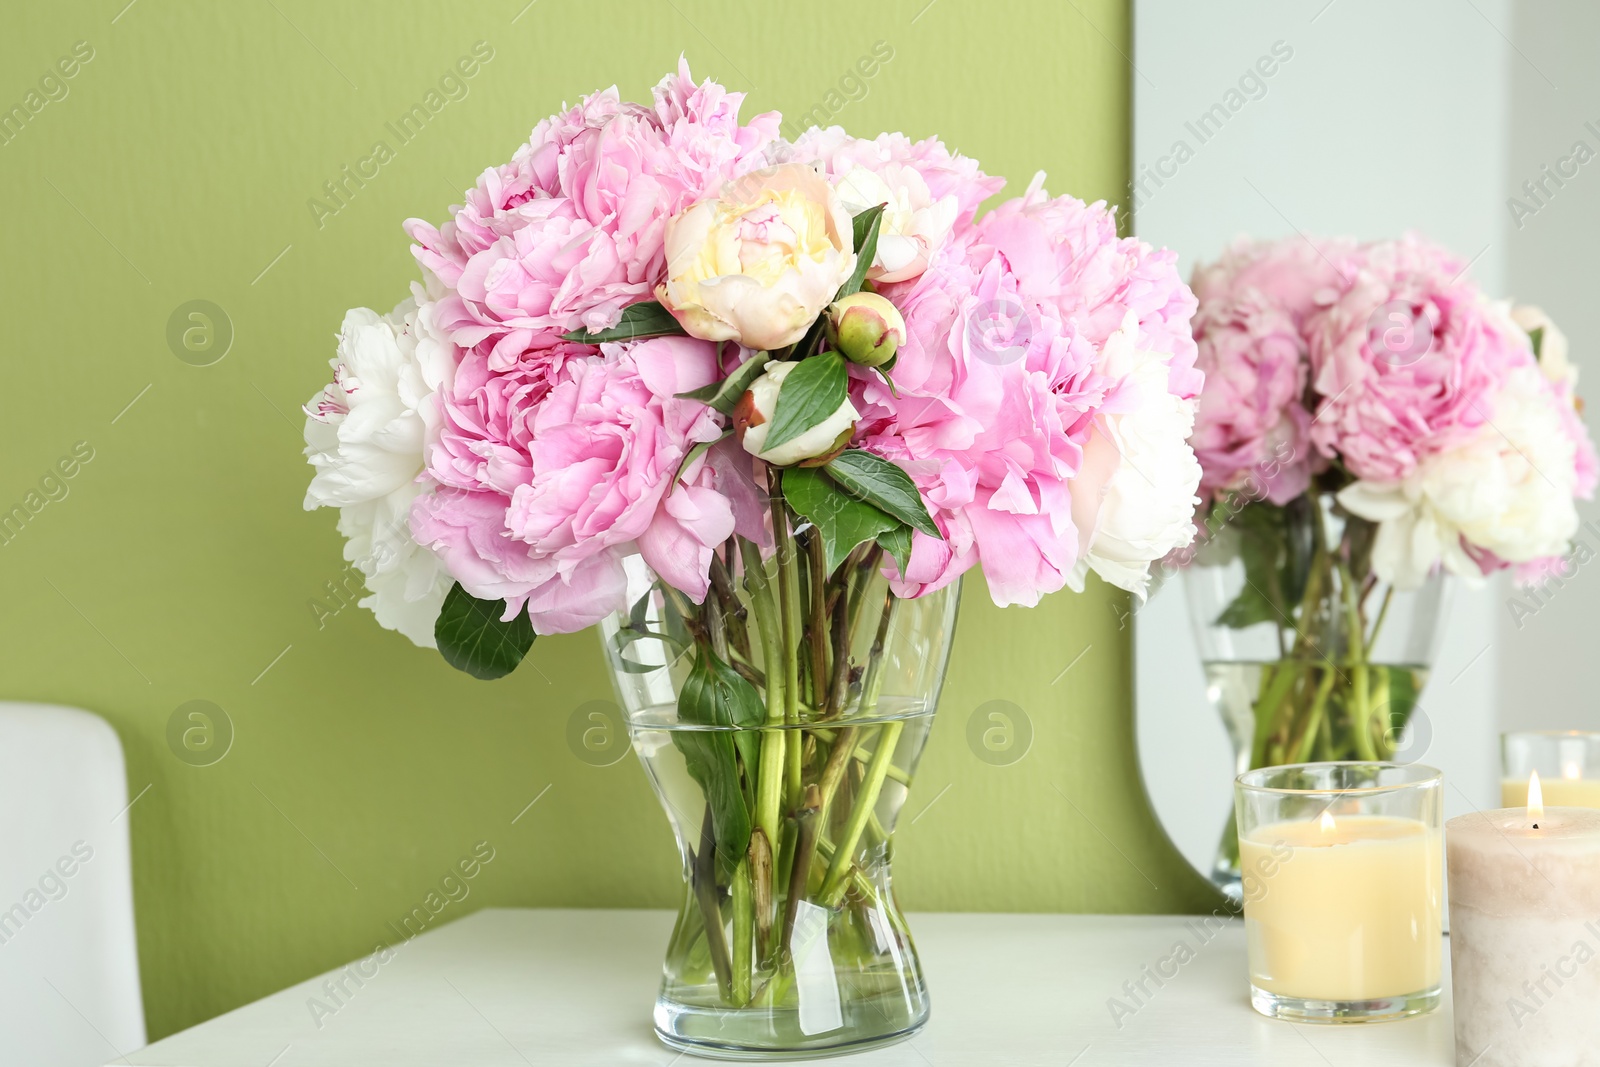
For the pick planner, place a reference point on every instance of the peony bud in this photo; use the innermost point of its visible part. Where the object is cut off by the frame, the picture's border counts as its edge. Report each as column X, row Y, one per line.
column 752, row 419
column 866, row 328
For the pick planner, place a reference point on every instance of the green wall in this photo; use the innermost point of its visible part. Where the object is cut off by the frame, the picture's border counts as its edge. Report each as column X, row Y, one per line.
column 178, row 167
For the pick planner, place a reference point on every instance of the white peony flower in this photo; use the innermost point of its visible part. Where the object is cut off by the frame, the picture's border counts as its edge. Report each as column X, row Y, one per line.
column 1507, row 491
column 1134, row 497
column 366, row 435
column 914, row 224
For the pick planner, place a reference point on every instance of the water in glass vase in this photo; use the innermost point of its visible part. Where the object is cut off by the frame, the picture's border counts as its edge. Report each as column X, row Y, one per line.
column 1309, row 711
column 827, row 965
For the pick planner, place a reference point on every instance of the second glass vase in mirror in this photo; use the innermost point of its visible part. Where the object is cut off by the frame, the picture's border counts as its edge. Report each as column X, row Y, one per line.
column 1308, row 657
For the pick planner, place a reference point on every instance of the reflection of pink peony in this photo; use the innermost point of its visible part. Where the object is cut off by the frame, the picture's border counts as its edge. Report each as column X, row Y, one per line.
column 1409, row 357
column 1383, row 359
column 570, row 231
column 1001, row 382
column 1252, row 432
column 600, row 453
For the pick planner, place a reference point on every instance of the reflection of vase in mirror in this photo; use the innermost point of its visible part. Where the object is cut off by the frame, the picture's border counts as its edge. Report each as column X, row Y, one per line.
column 1308, row 656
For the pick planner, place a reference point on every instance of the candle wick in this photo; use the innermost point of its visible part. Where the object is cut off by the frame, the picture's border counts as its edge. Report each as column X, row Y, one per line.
column 1535, row 826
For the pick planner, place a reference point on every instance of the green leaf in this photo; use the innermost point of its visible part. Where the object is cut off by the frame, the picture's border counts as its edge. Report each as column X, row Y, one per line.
column 1276, row 550
column 644, row 319
column 866, row 228
column 715, row 696
column 1250, row 607
column 812, row 392
column 843, row 521
column 1536, row 338
column 472, row 638
column 897, row 542
column 883, row 372
column 640, row 631
column 1402, row 697
column 724, row 395
column 879, row 482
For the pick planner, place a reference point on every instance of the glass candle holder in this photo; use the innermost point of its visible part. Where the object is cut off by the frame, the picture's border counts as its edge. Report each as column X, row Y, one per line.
column 1342, row 869
column 1566, row 761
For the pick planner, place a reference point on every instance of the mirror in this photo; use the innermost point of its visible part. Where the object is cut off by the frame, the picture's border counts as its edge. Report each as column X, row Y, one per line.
column 1368, row 119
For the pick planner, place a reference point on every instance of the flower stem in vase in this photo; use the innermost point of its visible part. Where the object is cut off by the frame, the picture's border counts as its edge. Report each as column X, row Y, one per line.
column 743, row 928
column 789, row 605
column 705, row 891
column 761, row 901
column 807, row 821
column 866, row 799
column 1360, row 704
column 769, row 777
column 1300, row 748
column 1276, row 682
column 817, row 624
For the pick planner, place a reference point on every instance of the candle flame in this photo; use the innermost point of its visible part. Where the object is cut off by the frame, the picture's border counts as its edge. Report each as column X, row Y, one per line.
column 1535, row 798
column 1571, row 771
column 1326, row 822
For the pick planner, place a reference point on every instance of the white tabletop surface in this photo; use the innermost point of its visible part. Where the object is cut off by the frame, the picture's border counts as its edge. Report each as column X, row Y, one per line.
column 513, row 988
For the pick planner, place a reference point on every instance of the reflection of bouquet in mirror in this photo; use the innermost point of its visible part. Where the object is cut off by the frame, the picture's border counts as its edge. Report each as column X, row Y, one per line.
column 753, row 403
column 1371, row 422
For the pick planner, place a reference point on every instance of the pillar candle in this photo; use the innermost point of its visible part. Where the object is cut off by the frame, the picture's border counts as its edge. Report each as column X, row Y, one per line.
column 1525, row 936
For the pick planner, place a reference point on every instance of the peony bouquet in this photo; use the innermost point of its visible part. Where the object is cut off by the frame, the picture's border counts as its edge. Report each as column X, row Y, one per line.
column 743, row 398
column 1371, row 422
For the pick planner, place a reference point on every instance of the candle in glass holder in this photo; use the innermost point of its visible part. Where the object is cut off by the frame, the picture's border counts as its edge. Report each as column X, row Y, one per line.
column 1343, row 876
column 1566, row 761
column 1525, row 935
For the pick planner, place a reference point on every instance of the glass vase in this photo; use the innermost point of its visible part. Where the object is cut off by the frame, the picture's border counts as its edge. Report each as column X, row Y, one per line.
column 780, row 723
column 1308, row 655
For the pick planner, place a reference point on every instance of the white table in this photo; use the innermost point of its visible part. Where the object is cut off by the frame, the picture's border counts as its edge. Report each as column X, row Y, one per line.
column 512, row 988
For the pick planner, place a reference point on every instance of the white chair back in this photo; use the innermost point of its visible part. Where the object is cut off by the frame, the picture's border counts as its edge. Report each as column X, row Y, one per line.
column 69, row 966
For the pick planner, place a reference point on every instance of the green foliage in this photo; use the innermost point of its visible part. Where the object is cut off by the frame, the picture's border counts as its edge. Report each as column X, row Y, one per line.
column 897, row 542
column 843, row 520
column 724, row 395
column 1275, row 547
column 716, row 696
column 472, row 638
column 866, row 226
column 644, row 319
column 811, row 393
column 879, row 482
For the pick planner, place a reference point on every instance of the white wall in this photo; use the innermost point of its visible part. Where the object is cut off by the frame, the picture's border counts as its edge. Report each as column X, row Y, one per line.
column 1549, row 669
column 1384, row 117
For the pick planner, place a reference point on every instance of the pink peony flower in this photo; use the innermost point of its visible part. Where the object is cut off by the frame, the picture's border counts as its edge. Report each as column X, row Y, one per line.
column 1002, row 382
column 963, row 427
column 570, row 231
column 1252, row 431
column 569, row 486
column 1409, row 357
column 483, row 443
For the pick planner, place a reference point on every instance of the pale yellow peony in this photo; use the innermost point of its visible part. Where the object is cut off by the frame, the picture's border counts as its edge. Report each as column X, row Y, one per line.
column 758, row 264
